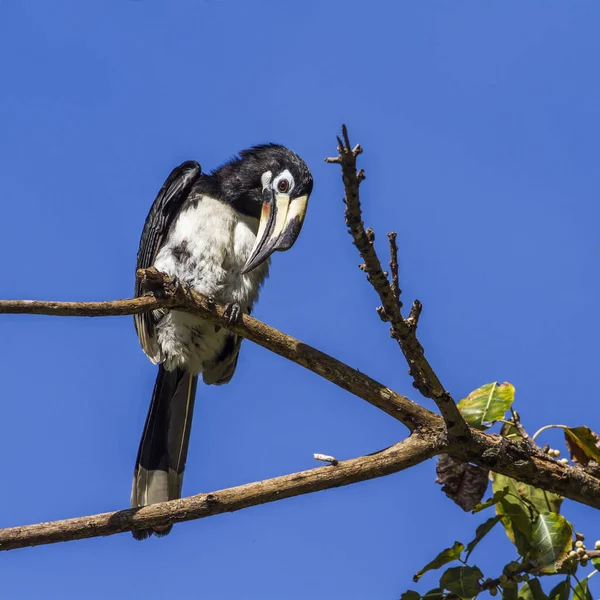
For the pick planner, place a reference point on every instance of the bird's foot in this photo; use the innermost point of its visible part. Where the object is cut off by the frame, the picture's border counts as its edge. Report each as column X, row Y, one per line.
column 233, row 312
column 174, row 287
column 156, row 283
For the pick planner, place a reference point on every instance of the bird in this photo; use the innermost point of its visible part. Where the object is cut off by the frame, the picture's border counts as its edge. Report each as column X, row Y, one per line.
column 215, row 233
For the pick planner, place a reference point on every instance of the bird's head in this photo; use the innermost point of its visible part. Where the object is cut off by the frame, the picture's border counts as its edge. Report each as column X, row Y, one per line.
column 273, row 184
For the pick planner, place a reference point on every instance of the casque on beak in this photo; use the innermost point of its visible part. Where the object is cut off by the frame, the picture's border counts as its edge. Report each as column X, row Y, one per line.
column 280, row 223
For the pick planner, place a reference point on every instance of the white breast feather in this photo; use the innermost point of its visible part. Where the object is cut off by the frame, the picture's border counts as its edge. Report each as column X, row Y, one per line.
column 217, row 242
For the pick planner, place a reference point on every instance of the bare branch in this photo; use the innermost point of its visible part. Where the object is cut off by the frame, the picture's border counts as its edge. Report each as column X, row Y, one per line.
column 403, row 455
column 394, row 267
column 402, row 330
column 516, row 422
column 415, row 313
column 394, row 404
column 114, row 308
column 534, row 436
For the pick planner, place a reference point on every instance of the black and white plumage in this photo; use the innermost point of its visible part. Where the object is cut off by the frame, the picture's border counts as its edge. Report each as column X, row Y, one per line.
column 214, row 233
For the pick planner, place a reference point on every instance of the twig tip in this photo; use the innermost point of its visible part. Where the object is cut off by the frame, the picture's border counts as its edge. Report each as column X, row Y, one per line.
column 326, row 458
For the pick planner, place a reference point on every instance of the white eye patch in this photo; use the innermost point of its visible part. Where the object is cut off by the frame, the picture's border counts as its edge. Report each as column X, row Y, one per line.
column 266, row 179
column 284, row 176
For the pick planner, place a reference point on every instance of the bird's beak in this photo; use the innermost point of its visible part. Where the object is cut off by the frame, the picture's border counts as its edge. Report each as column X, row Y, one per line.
column 280, row 223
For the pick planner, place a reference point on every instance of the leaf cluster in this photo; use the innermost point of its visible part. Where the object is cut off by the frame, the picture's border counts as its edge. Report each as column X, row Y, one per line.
column 545, row 541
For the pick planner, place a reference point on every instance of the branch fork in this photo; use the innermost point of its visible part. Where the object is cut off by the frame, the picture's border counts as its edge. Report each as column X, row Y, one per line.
column 401, row 329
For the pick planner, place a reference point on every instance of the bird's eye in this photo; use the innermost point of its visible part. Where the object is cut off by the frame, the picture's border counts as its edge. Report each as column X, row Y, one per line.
column 284, row 182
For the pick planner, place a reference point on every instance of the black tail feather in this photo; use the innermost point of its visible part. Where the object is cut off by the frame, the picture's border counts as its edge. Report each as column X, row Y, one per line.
column 158, row 474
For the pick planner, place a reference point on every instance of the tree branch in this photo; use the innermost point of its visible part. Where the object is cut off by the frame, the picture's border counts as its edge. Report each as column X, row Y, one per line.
column 412, row 451
column 114, row 308
column 402, row 330
column 529, row 465
column 176, row 297
column 394, row 268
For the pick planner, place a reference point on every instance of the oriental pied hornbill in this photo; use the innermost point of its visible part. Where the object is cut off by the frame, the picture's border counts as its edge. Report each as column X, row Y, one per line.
column 214, row 233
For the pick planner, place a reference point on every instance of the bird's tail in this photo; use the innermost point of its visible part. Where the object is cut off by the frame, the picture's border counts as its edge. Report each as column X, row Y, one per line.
column 158, row 474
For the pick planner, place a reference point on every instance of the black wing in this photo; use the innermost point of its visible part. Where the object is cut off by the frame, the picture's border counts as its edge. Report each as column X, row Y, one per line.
column 171, row 197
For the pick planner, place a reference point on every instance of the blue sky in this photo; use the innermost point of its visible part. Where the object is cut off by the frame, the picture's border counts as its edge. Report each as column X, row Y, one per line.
column 480, row 127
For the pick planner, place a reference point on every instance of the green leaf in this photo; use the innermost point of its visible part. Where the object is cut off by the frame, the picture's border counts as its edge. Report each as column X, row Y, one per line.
column 515, row 517
column 582, row 443
column 509, row 431
column 480, row 533
column 561, row 591
column 445, row 556
column 434, row 594
column 529, row 497
column 532, row 590
column 490, row 501
column 582, row 590
column 487, row 404
column 462, row 581
column 551, row 540
column 410, row 595
column 521, row 504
